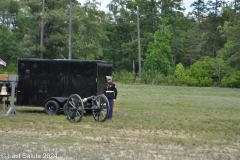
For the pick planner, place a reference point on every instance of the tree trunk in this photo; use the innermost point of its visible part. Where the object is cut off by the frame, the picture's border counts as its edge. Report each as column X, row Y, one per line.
column 42, row 28
column 235, row 13
column 70, row 32
column 133, row 63
column 139, row 46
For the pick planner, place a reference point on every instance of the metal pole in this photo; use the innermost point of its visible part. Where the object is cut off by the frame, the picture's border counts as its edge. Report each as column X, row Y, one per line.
column 139, row 46
column 13, row 79
column 70, row 32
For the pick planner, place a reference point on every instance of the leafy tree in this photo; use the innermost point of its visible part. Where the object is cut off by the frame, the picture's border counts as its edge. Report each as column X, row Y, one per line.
column 179, row 39
column 159, row 55
column 214, row 42
column 180, row 74
column 8, row 12
column 199, row 10
column 91, row 34
column 196, row 41
column 236, row 9
column 230, row 52
column 10, row 50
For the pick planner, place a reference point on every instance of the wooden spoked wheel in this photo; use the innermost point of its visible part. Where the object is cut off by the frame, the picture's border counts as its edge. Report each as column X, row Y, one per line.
column 74, row 108
column 100, row 108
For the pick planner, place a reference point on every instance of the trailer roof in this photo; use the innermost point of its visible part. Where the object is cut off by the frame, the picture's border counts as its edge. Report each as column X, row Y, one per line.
column 70, row 60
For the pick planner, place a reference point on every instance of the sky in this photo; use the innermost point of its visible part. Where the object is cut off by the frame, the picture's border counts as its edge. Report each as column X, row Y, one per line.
column 187, row 4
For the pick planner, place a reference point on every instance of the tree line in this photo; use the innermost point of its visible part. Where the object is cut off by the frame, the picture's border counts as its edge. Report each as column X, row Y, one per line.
column 198, row 48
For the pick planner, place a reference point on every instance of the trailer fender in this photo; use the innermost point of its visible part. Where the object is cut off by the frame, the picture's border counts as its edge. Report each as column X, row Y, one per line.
column 60, row 100
column 52, row 105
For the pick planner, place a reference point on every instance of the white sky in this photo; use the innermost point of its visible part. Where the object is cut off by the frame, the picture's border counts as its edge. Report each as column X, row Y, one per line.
column 187, row 4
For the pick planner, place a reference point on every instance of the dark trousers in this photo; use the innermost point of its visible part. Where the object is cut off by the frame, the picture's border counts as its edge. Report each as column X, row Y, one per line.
column 111, row 104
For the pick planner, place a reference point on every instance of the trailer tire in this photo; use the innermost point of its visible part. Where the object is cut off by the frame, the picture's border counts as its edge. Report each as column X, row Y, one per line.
column 51, row 107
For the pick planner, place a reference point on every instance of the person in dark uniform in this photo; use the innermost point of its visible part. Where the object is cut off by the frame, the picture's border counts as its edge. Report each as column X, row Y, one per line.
column 110, row 91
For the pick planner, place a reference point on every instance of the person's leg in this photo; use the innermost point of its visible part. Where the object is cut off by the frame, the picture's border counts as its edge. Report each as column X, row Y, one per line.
column 110, row 108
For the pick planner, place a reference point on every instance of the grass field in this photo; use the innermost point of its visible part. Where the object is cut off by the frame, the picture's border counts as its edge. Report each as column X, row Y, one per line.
column 150, row 122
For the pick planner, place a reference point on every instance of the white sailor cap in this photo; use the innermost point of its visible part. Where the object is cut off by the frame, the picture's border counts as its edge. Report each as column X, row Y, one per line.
column 109, row 77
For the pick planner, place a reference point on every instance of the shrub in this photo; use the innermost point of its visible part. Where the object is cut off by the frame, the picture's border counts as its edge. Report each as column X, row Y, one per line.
column 124, row 77
column 205, row 82
column 191, row 81
column 153, row 77
column 9, row 69
column 232, row 80
column 179, row 74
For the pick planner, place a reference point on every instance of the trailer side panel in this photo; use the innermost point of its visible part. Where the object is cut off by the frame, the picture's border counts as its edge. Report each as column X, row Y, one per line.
column 40, row 79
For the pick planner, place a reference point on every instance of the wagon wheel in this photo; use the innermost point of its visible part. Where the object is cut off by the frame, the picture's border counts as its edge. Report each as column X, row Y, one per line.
column 74, row 108
column 65, row 109
column 100, row 108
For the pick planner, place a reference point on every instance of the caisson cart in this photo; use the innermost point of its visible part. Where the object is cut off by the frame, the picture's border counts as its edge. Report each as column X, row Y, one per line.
column 74, row 107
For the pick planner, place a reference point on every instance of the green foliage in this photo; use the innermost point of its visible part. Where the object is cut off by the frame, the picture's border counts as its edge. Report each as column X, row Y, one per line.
column 9, row 69
column 230, row 52
column 124, row 77
column 90, row 57
column 112, row 36
column 169, row 80
column 159, row 55
column 9, row 48
column 191, row 81
column 180, row 74
column 147, row 76
column 3, row 69
column 232, row 80
column 205, row 82
column 153, row 77
column 202, row 71
column 88, row 31
column 196, row 41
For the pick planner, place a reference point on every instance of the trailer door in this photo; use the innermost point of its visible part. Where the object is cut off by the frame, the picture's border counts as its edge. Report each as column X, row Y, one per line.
column 103, row 70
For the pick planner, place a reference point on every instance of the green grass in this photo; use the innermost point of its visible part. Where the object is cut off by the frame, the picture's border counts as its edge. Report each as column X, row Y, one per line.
column 150, row 122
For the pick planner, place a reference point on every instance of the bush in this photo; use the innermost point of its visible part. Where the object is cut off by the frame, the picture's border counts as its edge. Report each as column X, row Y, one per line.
column 190, row 81
column 153, row 77
column 205, row 82
column 9, row 69
column 170, row 79
column 179, row 74
column 231, row 80
column 124, row 77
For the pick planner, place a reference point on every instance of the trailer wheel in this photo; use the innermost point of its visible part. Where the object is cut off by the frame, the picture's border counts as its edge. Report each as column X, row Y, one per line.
column 51, row 107
column 100, row 108
column 74, row 108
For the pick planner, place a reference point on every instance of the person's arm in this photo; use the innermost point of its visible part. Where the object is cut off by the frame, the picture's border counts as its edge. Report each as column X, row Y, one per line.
column 105, row 89
column 115, row 91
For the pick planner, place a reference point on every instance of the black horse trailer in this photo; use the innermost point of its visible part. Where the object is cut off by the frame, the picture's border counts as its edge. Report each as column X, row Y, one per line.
column 52, row 81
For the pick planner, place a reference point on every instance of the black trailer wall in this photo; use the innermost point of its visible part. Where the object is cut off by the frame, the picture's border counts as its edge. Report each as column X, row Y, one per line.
column 103, row 70
column 40, row 79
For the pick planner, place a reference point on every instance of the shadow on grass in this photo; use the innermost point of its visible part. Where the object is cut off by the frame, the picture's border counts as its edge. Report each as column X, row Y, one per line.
column 88, row 113
column 40, row 110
